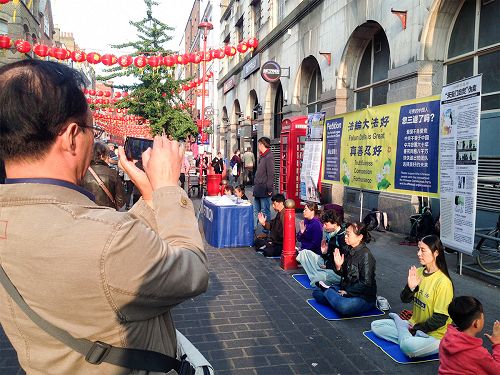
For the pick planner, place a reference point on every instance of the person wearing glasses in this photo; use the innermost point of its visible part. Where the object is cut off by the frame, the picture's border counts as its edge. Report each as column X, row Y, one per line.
column 91, row 271
column 357, row 292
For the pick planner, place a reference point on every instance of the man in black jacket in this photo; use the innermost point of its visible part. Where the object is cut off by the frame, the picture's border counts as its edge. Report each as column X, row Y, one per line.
column 263, row 181
column 218, row 163
column 272, row 245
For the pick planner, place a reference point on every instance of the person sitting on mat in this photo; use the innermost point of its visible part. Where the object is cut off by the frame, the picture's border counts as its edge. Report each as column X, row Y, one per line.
column 460, row 351
column 311, row 229
column 240, row 192
column 358, row 289
column 320, row 267
column 431, row 290
column 272, row 245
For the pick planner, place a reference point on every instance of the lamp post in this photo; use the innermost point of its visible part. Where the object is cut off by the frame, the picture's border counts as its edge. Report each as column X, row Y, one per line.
column 205, row 26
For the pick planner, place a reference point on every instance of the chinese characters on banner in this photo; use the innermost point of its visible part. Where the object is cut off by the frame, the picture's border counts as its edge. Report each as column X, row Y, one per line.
column 391, row 147
column 311, row 163
column 459, row 150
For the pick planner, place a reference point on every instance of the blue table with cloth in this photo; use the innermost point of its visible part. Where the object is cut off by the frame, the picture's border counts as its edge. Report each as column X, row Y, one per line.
column 227, row 226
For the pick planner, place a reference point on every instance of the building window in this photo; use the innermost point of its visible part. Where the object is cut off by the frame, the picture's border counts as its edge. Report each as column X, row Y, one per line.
column 257, row 14
column 4, row 28
column 474, row 48
column 239, row 30
column 46, row 25
column 371, row 83
column 314, row 93
column 281, row 10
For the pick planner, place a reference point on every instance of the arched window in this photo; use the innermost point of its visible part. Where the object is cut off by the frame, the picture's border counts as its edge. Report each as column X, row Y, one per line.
column 314, row 93
column 474, row 48
column 371, row 83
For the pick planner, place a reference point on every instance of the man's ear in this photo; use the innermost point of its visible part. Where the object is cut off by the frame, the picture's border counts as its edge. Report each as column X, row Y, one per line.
column 68, row 137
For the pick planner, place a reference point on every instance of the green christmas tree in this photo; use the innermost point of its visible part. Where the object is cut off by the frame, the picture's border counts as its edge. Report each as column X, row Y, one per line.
column 155, row 94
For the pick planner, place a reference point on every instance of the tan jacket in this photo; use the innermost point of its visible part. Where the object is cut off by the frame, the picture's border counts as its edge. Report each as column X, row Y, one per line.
column 97, row 273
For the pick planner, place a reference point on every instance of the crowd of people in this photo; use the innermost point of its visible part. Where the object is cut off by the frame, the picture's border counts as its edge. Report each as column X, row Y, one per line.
column 136, row 265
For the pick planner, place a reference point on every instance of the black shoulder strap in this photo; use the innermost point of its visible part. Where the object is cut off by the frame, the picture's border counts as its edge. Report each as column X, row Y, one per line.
column 96, row 352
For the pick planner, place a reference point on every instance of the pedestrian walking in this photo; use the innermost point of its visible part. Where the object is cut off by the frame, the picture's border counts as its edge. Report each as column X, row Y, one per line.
column 248, row 164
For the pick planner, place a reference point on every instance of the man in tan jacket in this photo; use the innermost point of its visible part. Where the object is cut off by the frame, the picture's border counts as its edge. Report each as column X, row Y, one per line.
column 94, row 272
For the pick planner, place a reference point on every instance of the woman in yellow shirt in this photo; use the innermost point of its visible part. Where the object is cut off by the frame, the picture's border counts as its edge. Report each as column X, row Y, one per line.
column 431, row 290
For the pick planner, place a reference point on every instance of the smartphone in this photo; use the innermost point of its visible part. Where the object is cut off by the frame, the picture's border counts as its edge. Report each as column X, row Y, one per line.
column 134, row 147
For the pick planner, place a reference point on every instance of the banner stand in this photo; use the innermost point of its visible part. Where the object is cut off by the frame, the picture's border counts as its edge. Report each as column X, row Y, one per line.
column 360, row 205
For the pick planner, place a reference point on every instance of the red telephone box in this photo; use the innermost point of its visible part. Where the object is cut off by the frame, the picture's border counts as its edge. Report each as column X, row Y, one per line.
column 293, row 134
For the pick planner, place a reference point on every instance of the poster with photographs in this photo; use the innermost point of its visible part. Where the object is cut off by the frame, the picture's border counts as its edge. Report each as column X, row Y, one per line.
column 458, row 154
column 311, row 160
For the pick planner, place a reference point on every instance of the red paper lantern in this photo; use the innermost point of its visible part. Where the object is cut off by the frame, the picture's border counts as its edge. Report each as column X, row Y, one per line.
column 198, row 58
column 107, row 94
column 60, row 53
column 192, row 57
column 4, row 1
column 154, row 61
column 252, row 43
column 185, row 87
column 5, row 41
column 118, row 94
column 93, row 57
column 219, row 53
column 168, row 61
column 140, row 62
column 91, row 92
column 125, row 61
column 22, row 46
column 108, row 59
column 99, row 93
column 242, row 47
column 185, row 59
column 124, row 94
column 41, row 50
column 78, row 56
column 229, row 50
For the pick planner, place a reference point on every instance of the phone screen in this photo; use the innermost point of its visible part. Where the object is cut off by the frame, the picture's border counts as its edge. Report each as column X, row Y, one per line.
column 134, row 147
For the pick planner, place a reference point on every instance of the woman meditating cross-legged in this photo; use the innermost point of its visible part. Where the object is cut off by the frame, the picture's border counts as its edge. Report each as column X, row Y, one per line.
column 431, row 290
column 319, row 267
column 358, row 290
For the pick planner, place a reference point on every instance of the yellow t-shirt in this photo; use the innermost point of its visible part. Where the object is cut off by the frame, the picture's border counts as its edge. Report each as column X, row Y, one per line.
column 434, row 294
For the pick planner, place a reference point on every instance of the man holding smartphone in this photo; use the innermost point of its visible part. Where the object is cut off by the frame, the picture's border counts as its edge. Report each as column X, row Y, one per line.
column 93, row 272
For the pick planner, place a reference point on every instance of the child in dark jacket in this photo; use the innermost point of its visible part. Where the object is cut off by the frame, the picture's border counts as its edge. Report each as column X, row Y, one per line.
column 460, row 351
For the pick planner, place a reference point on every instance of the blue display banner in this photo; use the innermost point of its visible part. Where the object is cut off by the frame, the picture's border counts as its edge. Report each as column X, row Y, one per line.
column 333, row 138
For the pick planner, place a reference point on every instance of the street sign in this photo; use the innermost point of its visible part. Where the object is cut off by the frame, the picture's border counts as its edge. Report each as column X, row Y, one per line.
column 270, row 71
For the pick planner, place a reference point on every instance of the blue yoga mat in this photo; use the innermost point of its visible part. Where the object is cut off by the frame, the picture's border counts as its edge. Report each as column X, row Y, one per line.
column 393, row 350
column 330, row 314
column 303, row 280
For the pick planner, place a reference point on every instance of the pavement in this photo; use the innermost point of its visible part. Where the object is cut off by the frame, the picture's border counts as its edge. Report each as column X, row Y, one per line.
column 254, row 318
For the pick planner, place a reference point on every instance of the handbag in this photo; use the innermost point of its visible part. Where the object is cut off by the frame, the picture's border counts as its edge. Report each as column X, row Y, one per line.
column 96, row 352
column 103, row 187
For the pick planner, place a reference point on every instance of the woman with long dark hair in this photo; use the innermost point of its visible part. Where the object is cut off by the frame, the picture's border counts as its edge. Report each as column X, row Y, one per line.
column 357, row 292
column 430, row 288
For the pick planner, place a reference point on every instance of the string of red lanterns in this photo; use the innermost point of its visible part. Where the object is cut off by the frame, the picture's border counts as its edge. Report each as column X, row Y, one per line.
column 124, row 61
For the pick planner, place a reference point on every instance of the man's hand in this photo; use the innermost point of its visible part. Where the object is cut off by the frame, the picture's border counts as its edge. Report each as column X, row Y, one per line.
column 338, row 259
column 163, row 163
column 262, row 218
column 342, row 292
column 324, row 247
column 137, row 176
column 495, row 336
column 413, row 279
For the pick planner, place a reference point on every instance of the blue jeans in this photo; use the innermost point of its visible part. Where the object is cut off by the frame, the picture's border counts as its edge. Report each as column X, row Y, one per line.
column 261, row 205
column 345, row 306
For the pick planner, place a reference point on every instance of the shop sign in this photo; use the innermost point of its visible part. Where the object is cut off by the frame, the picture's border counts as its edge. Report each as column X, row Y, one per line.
column 251, row 66
column 271, row 71
column 229, row 84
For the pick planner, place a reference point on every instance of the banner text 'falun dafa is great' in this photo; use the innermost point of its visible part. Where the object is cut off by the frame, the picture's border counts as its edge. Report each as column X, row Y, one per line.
column 392, row 147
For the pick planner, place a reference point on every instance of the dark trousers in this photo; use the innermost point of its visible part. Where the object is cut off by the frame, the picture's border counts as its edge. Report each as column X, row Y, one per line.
column 182, row 179
column 267, row 247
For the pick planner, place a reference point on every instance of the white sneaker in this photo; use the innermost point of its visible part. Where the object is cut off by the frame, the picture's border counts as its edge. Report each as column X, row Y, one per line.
column 383, row 304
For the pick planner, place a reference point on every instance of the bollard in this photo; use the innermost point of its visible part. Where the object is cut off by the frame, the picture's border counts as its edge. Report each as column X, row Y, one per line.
column 288, row 261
